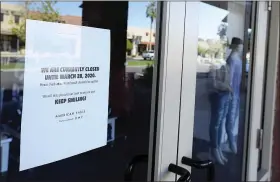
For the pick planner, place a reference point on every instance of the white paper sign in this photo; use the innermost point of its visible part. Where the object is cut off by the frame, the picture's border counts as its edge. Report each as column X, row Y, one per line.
column 65, row 96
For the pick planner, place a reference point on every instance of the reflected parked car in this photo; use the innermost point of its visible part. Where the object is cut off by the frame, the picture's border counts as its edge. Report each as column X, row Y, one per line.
column 20, row 60
column 148, row 55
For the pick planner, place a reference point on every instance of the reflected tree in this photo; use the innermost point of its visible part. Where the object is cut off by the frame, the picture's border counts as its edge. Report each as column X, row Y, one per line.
column 222, row 31
column 129, row 45
column 151, row 14
column 42, row 10
column 201, row 50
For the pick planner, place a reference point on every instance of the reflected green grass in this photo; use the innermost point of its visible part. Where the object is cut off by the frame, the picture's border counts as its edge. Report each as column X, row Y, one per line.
column 140, row 63
column 11, row 66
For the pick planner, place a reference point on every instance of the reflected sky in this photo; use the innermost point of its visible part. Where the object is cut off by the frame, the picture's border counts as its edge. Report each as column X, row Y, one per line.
column 210, row 17
column 209, row 20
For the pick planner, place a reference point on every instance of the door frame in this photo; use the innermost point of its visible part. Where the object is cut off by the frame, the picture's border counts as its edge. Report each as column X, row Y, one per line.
column 175, row 90
column 254, row 93
column 254, row 108
column 166, row 93
column 264, row 174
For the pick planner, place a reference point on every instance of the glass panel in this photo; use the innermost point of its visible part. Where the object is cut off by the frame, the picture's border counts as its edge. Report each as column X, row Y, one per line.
column 127, row 114
column 221, row 87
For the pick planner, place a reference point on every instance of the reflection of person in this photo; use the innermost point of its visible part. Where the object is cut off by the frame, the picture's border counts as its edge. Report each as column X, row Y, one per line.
column 224, row 101
column 219, row 106
column 235, row 62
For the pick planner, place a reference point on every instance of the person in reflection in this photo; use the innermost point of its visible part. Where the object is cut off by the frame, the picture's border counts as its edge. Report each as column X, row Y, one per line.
column 224, row 99
column 235, row 62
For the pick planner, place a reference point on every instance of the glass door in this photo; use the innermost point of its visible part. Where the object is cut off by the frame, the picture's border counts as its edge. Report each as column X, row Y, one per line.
column 90, row 90
column 222, row 89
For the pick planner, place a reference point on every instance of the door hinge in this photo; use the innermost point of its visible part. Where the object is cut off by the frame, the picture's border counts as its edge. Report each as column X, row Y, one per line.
column 268, row 5
column 260, row 139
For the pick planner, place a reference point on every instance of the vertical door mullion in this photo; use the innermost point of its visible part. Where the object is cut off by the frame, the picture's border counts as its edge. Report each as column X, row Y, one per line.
column 187, row 105
column 170, row 68
column 271, row 90
column 257, row 90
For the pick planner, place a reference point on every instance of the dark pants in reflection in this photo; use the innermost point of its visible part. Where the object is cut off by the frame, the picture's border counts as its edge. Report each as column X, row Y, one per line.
column 219, row 109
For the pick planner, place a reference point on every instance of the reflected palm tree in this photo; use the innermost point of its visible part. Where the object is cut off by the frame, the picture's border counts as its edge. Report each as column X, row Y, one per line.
column 151, row 13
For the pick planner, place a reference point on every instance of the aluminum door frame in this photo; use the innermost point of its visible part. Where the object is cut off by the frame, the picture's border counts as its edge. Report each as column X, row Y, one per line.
column 166, row 93
column 186, row 123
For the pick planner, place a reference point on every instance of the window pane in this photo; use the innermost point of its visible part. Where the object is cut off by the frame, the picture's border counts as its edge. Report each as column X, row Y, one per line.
column 221, row 87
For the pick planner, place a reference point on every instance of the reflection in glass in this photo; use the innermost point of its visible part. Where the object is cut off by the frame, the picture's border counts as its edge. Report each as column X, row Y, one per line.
column 220, row 97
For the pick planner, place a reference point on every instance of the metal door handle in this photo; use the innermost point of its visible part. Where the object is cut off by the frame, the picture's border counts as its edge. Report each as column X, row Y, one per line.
column 185, row 174
column 131, row 166
column 207, row 164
